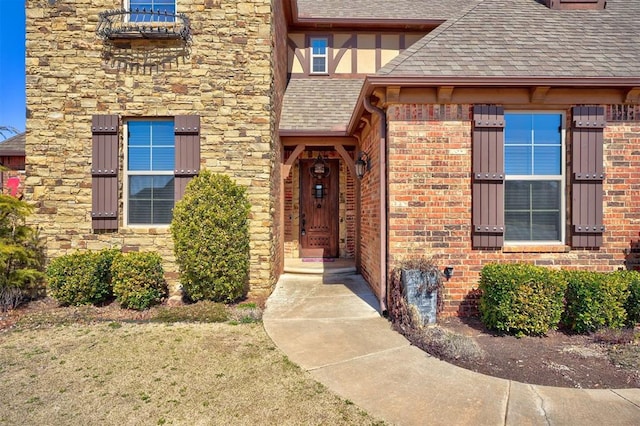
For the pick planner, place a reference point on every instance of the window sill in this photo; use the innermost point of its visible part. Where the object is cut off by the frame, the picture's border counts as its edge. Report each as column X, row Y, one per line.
column 559, row 248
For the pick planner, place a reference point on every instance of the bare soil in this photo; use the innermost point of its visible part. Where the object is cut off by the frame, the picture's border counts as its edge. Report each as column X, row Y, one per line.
column 609, row 359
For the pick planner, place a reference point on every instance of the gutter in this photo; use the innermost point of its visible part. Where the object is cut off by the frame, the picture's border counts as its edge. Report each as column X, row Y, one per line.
column 383, row 200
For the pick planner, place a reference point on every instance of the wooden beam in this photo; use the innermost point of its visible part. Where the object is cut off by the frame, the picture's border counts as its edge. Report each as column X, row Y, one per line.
column 393, row 95
column 318, row 140
column 633, row 96
column 444, row 94
column 539, row 94
column 286, row 168
column 347, row 159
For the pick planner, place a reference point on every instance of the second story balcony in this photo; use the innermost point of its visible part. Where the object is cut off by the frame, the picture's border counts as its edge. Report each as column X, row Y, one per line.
column 143, row 24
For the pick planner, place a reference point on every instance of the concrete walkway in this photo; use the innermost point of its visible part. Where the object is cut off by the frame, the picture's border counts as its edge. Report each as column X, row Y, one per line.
column 330, row 326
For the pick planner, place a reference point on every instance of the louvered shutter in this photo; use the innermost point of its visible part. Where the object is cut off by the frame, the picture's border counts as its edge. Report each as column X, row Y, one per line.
column 488, row 176
column 587, row 139
column 104, row 172
column 187, row 151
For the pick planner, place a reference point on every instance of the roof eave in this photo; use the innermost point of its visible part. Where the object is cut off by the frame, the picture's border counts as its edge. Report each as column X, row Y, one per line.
column 373, row 82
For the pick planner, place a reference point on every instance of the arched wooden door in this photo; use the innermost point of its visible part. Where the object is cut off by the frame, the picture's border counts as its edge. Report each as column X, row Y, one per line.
column 319, row 209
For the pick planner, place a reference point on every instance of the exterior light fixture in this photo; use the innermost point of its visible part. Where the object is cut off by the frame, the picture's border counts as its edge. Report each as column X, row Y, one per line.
column 320, row 168
column 448, row 272
column 362, row 164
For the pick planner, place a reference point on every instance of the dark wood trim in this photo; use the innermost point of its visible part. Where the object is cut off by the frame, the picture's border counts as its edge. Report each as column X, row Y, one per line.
column 318, row 140
column 354, row 54
column 378, row 51
column 297, row 53
column 343, row 49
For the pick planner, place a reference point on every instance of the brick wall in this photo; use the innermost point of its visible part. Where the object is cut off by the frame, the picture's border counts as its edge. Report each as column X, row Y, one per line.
column 226, row 77
column 430, row 199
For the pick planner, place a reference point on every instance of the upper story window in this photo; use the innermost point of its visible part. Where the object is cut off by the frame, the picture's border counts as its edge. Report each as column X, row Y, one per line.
column 534, row 196
column 167, row 9
column 319, row 47
column 150, row 159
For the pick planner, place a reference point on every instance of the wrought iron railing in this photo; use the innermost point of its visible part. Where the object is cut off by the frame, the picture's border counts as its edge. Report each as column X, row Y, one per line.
column 142, row 23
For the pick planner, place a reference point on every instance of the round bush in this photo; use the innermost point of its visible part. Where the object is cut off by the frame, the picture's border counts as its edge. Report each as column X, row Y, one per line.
column 211, row 238
column 138, row 280
column 521, row 299
column 595, row 300
column 81, row 278
column 632, row 306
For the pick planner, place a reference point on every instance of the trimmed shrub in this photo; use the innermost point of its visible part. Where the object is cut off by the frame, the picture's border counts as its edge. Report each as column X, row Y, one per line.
column 138, row 280
column 81, row 278
column 211, row 238
column 632, row 306
column 21, row 254
column 595, row 300
column 521, row 299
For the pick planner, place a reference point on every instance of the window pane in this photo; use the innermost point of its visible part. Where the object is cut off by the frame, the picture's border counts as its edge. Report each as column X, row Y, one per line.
column 516, row 226
column 138, row 159
column 546, row 195
column 163, row 159
column 545, row 226
column 162, row 133
column 517, row 195
column 532, row 210
column 150, row 199
column 546, row 129
column 517, row 160
column 547, row 160
column 319, row 46
column 319, row 65
column 517, row 129
column 139, row 133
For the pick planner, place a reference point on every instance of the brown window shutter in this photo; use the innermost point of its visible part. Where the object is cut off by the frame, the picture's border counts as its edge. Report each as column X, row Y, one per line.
column 488, row 176
column 586, row 182
column 104, row 172
column 187, row 161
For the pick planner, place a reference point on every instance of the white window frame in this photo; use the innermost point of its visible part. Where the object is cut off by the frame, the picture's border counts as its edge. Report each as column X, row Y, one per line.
column 562, row 179
column 126, row 173
column 312, row 55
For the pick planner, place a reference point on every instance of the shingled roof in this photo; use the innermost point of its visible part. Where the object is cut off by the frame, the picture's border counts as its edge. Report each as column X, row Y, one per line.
column 14, row 145
column 522, row 38
column 319, row 104
column 382, row 9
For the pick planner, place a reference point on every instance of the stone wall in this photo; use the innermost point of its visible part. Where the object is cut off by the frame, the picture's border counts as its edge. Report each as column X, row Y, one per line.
column 225, row 75
column 430, row 200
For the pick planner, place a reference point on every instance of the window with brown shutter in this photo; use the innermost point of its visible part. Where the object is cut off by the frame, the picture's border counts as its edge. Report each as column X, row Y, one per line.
column 187, row 161
column 104, row 172
column 488, row 176
column 587, row 226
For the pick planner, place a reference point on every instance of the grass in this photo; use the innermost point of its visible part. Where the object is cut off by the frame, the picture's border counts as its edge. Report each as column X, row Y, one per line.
column 56, row 370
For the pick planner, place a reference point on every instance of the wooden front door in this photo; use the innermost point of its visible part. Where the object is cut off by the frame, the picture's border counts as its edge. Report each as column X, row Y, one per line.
column 319, row 210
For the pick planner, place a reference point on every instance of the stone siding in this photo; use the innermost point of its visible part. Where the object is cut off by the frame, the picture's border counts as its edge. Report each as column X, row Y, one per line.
column 225, row 75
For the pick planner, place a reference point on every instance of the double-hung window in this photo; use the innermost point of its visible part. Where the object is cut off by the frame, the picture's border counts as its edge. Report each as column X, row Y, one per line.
column 166, row 9
column 150, row 159
column 319, row 48
column 534, row 178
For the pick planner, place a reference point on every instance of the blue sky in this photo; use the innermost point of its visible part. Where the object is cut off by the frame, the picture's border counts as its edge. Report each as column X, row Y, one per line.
column 12, row 67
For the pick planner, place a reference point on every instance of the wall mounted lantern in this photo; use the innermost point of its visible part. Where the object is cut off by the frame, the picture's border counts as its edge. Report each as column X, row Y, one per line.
column 362, row 164
column 320, row 169
column 448, row 272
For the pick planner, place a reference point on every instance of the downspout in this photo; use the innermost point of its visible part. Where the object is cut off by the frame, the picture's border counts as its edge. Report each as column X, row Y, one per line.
column 383, row 200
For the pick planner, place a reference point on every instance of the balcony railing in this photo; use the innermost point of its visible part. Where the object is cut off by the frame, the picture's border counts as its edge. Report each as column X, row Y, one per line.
column 142, row 23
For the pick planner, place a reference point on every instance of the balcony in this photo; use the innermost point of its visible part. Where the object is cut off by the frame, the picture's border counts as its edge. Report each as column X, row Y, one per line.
column 143, row 24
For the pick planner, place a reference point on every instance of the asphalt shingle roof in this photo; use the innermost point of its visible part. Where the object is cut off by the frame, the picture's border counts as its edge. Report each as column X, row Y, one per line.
column 13, row 145
column 319, row 104
column 524, row 38
column 381, row 9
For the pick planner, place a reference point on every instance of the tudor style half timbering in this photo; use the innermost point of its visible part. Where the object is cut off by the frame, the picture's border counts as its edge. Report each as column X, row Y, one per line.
column 86, row 194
